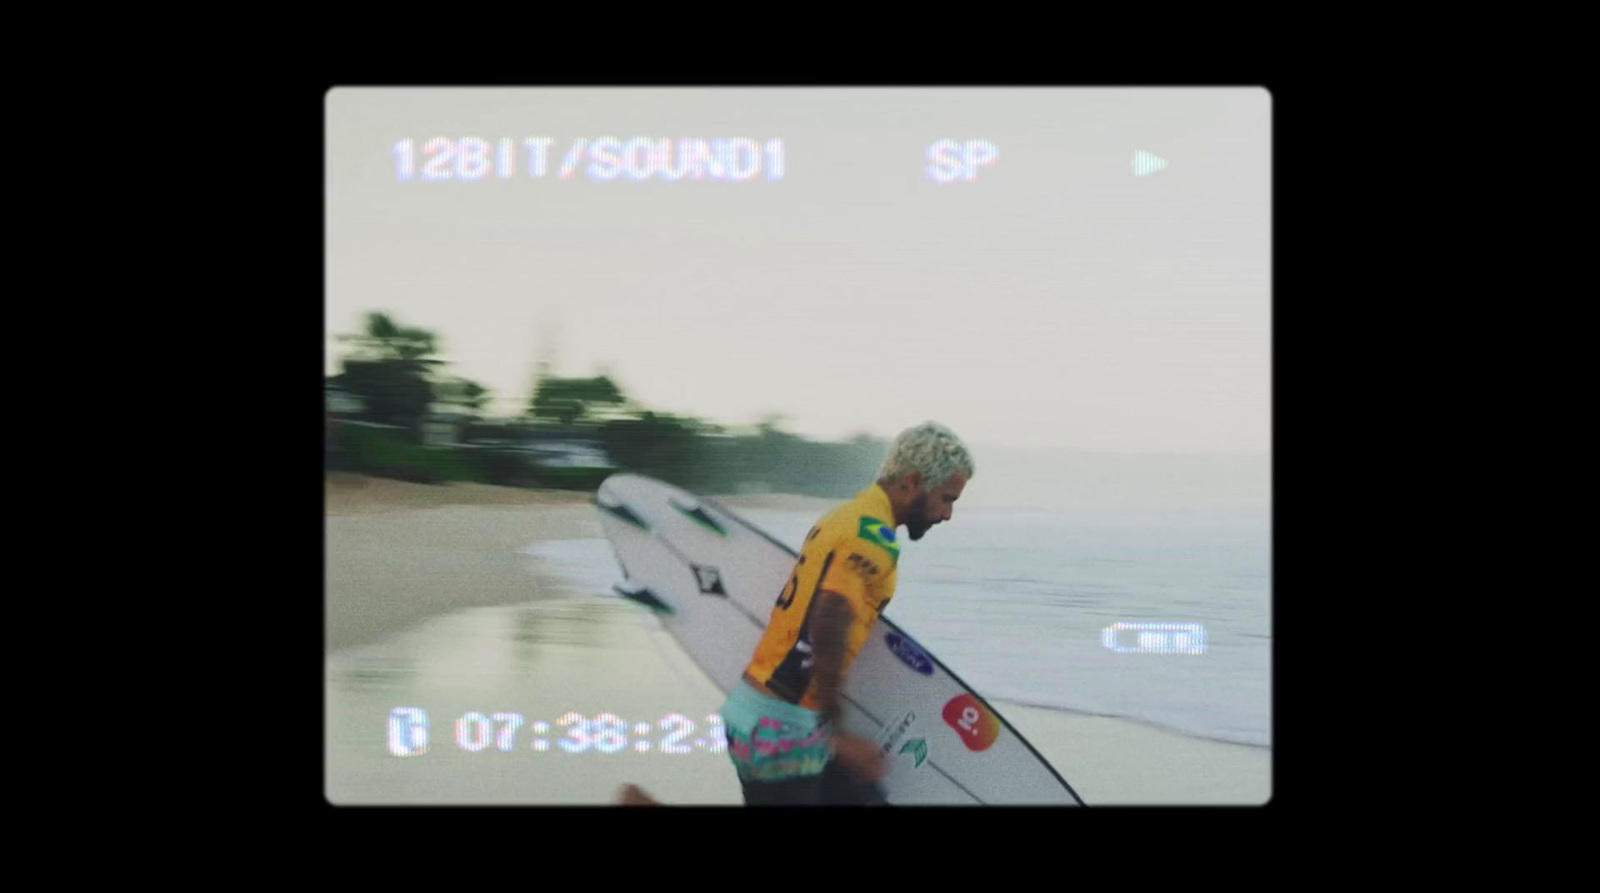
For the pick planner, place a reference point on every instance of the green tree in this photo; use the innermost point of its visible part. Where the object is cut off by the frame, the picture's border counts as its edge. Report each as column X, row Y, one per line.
column 385, row 339
column 464, row 393
column 569, row 400
column 672, row 448
column 390, row 370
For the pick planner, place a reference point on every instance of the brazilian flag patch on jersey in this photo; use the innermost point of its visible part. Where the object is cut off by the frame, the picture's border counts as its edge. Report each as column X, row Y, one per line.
column 875, row 531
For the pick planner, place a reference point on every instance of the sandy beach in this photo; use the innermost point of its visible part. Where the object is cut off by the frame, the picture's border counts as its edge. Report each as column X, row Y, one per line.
column 430, row 607
column 398, row 553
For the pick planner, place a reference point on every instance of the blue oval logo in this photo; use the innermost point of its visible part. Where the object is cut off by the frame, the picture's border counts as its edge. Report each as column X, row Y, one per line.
column 887, row 533
column 909, row 654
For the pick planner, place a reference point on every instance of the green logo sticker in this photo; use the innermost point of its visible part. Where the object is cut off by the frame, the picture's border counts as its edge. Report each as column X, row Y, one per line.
column 918, row 748
column 875, row 531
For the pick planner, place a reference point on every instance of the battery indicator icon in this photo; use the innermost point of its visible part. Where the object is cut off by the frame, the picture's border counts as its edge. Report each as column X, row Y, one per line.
column 1154, row 638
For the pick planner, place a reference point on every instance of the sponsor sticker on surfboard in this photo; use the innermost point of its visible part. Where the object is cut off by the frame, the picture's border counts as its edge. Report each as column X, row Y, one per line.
column 973, row 721
column 896, row 739
column 909, row 653
column 710, row 580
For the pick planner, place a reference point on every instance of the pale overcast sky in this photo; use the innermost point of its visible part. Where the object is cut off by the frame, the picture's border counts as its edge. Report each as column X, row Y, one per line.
column 1053, row 300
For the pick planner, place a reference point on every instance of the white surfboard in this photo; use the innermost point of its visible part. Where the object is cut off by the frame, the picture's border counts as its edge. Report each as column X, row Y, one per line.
column 713, row 579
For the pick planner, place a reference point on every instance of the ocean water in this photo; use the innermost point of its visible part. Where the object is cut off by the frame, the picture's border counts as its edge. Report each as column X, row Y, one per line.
column 1017, row 603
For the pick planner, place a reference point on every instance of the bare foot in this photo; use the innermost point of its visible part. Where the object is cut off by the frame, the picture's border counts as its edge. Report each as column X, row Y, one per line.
column 633, row 795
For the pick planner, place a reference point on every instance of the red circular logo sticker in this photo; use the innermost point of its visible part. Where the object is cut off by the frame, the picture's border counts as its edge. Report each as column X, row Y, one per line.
column 977, row 726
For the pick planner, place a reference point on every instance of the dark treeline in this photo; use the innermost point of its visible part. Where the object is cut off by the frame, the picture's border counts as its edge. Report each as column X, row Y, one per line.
column 402, row 397
column 692, row 454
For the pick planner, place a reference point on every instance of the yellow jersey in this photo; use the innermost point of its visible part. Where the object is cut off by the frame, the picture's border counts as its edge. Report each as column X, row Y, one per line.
column 851, row 551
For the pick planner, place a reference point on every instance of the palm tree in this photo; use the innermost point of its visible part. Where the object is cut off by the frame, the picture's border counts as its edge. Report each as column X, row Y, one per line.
column 391, row 370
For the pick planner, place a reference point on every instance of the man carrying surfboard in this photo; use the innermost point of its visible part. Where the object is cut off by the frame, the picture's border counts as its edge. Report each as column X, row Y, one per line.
column 782, row 717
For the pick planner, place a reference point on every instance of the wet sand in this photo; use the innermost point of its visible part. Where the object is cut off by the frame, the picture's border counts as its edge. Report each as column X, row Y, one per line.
column 429, row 606
column 399, row 553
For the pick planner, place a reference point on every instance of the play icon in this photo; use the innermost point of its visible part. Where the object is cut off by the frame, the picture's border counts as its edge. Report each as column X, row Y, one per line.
column 1146, row 163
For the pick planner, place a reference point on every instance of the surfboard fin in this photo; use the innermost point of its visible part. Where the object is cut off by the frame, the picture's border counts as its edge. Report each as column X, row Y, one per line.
column 644, row 597
column 623, row 512
column 699, row 516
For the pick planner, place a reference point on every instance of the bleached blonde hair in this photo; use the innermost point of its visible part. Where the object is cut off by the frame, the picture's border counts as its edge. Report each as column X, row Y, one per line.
column 930, row 448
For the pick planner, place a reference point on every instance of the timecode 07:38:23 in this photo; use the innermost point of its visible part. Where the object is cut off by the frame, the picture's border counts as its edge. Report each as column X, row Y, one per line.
column 604, row 733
